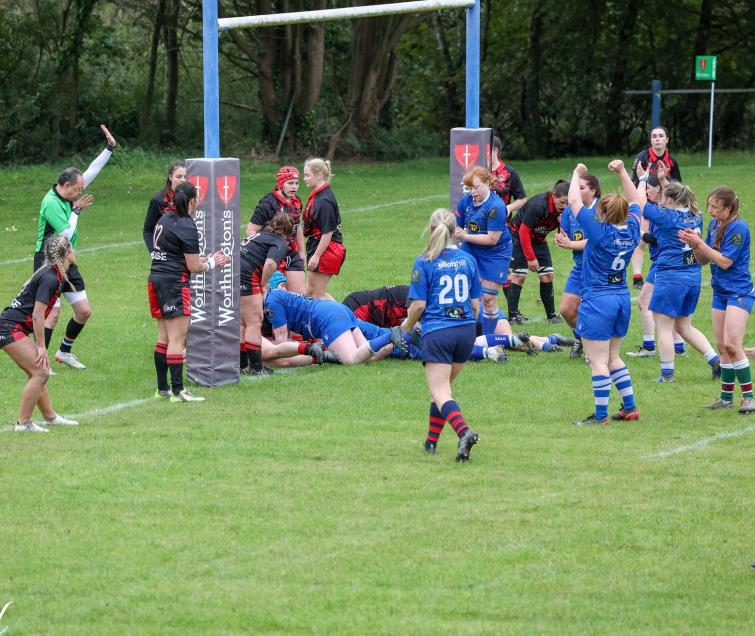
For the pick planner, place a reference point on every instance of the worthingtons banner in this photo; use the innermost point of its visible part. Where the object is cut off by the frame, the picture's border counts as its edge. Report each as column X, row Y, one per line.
column 212, row 347
column 470, row 147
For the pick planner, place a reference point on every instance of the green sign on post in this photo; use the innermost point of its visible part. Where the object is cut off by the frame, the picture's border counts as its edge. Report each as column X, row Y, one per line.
column 705, row 67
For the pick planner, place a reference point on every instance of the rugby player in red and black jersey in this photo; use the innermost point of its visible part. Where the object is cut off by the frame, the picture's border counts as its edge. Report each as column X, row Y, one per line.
column 507, row 183
column 284, row 199
column 175, row 253
column 162, row 202
column 261, row 256
column 529, row 229
column 25, row 315
column 322, row 227
column 655, row 160
column 384, row 307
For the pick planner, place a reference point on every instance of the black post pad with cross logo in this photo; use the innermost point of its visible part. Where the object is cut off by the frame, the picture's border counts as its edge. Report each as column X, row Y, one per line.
column 212, row 347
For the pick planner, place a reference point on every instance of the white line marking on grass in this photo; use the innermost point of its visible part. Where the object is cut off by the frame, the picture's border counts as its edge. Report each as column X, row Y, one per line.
column 112, row 408
column 391, row 204
column 701, row 443
column 86, row 250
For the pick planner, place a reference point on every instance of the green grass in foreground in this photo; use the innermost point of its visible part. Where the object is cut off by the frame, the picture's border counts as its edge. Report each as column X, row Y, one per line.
column 304, row 504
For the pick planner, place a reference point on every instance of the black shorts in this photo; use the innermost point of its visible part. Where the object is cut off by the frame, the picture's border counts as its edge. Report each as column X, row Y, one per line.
column 542, row 254
column 11, row 331
column 292, row 263
column 169, row 298
column 73, row 274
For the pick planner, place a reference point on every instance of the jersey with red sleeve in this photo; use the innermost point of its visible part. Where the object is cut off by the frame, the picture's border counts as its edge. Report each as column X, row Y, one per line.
column 258, row 248
column 321, row 216
column 507, row 183
column 539, row 214
column 650, row 160
column 385, row 306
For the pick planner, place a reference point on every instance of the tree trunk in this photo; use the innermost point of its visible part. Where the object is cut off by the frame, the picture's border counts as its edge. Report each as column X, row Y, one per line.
column 531, row 115
column 149, row 93
column 171, row 70
column 452, row 103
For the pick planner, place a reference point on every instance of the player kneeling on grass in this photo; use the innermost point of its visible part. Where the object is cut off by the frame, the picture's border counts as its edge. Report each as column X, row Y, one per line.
column 445, row 294
column 727, row 249
column 175, row 254
column 329, row 321
column 26, row 314
column 613, row 232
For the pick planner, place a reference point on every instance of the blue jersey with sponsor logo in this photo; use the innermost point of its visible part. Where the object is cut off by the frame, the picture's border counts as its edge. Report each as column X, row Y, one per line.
column 608, row 252
column 447, row 284
column 489, row 216
column 574, row 231
column 735, row 245
column 675, row 262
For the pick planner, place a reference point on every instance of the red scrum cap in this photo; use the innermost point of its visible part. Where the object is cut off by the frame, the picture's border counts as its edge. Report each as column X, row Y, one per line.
column 284, row 174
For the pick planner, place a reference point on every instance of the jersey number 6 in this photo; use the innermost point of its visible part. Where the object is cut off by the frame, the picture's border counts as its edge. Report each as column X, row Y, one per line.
column 458, row 284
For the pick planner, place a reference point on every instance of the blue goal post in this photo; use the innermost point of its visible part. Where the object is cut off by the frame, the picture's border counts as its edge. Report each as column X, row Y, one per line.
column 211, row 26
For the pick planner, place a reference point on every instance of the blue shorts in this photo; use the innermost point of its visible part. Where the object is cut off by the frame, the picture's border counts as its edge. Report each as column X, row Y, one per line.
column 446, row 346
column 493, row 267
column 722, row 301
column 337, row 320
column 650, row 278
column 604, row 317
column 574, row 282
column 674, row 300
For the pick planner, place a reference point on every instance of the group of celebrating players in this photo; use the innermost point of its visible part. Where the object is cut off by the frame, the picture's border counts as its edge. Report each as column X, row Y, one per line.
column 449, row 313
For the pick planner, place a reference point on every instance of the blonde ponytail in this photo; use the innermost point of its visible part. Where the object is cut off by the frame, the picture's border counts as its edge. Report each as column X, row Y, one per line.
column 442, row 225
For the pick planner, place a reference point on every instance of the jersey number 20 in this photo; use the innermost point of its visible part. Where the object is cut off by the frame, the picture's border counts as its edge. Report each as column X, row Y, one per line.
column 458, row 285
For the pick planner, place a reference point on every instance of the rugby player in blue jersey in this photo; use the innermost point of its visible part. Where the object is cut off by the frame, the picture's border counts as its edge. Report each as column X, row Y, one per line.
column 444, row 292
column 612, row 230
column 481, row 217
column 727, row 248
column 677, row 274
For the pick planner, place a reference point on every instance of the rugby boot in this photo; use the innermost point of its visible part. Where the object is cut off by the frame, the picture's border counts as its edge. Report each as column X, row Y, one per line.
column 59, row 420
column 666, row 379
column 719, row 404
column 164, row 394
column 329, row 357
column 468, row 439
column 591, row 420
column 715, row 368
column 185, row 396
column 746, row 406
column 628, row 416
column 642, row 352
column 69, row 359
column 554, row 319
column 398, row 341
column 576, row 350
column 30, row 427
column 314, row 350
column 516, row 318
column 430, row 447
column 496, row 353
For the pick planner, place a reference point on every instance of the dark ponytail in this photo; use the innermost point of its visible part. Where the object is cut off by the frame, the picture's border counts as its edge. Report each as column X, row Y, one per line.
column 183, row 195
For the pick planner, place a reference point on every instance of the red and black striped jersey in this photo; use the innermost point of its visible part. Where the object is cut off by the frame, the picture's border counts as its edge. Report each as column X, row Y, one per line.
column 44, row 287
column 507, row 183
column 273, row 203
column 322, row 215
column 173, row 237
column 256, row 249
column 385, row 306
column 539, row 214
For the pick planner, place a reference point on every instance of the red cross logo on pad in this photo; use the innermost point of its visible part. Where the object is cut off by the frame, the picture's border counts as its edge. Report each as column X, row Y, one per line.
column 226, row 188
column 200, row 185
column 466, row 154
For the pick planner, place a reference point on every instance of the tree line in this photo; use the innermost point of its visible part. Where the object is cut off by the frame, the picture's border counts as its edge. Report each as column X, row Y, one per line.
column 553, row 77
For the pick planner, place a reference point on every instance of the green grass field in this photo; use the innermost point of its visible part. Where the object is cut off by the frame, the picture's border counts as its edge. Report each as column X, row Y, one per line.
column 303, row 503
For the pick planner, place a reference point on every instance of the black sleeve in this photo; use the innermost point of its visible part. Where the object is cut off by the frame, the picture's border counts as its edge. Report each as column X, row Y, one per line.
column 532, row 212
column 326, row 217
column 639, row 157
column 649, row 239
column 277, row 251
column 150, row 221
column 676, row 174
column 263, row 213
column 517, row 189
column 189, row 239
column 48, row 285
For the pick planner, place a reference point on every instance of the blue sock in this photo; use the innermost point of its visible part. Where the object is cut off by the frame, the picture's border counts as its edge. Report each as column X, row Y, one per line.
column 489, row 322
column 679, row 347
column 376, row 344
column 623, row 382
column 478, row 353
column 547, row 346
column 494, row 339
column 648, row 343
column 714, row 360
column 553, row 339
column 667, row 368
column 601, row 389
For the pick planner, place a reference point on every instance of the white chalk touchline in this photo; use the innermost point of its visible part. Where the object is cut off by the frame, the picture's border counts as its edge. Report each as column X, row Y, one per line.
column 111, row 409
column 86, row 250
column 391, row 204
column 701, row 443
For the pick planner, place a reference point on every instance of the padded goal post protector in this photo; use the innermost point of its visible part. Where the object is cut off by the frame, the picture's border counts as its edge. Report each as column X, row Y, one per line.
column 212, row 346
column 470, row 147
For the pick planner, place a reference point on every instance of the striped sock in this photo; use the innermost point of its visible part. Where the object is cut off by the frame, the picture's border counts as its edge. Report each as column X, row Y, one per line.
column 667, row 368
column 489, row 322
column 601, row 388
column 435, row 424
column 478, row 353
column 744, row 375
column 161, row 366
column 623, row 382
column 73, row 329
column 711, row 357
column 648, row 342
column 243, row 357
column 679, row 346
column 176, row 368
column 728, row 379
column 452, row 414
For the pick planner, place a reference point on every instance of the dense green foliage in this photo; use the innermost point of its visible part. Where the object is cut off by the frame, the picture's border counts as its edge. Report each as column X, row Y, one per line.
column 553, row 77
column 303, row 503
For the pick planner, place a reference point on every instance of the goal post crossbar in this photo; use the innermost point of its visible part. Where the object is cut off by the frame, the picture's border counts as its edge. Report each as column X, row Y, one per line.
column 211, row 26
column 346, row 13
